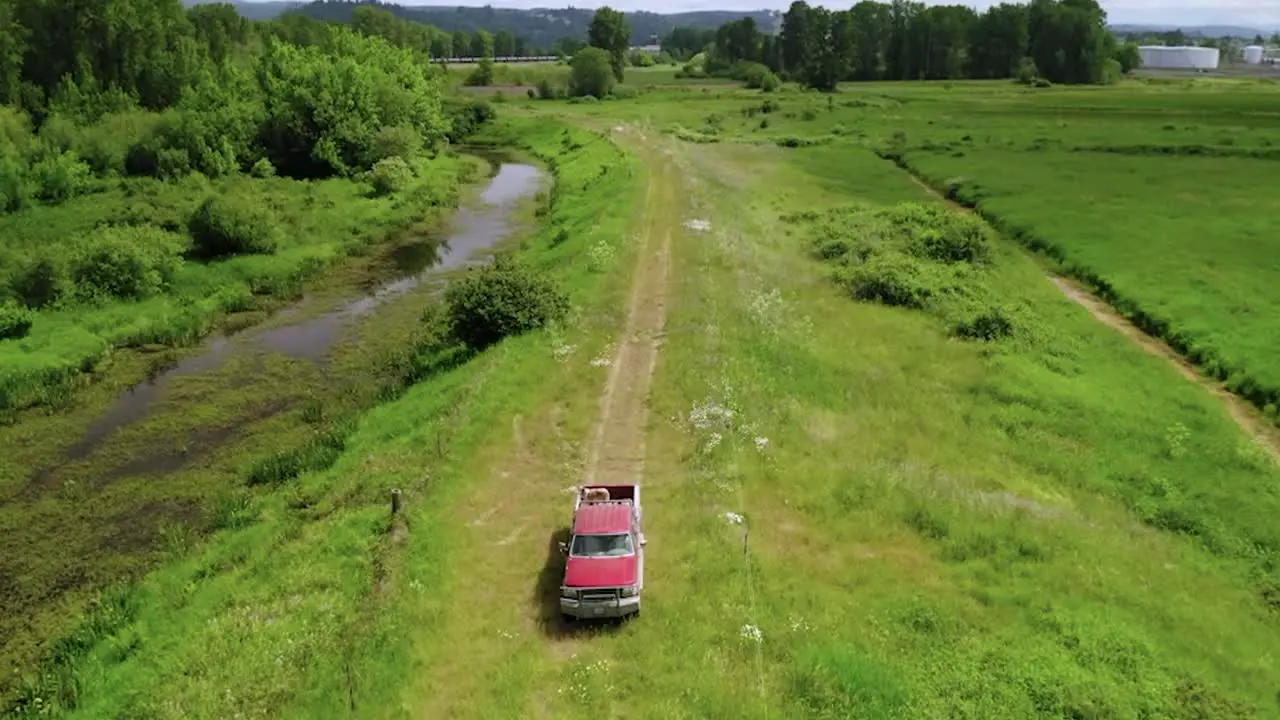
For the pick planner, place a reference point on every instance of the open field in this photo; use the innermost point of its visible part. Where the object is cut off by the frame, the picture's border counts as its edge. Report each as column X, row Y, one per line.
column 1030, row 526
column 960, row 495
column 1156, row 194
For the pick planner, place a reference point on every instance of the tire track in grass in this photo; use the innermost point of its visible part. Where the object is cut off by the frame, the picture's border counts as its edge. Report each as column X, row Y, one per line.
column 1244, row 415
column 506, row 611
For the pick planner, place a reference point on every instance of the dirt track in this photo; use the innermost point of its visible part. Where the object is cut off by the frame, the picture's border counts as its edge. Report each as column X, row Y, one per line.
column 507, row 553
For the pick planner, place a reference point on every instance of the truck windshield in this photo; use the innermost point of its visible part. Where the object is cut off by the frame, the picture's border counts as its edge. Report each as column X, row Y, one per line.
column 601, row 545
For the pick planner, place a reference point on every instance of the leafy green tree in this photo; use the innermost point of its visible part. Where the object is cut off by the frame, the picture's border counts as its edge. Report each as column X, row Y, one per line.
column 482, row 44
column 504, row 44
column 998, row 41
column 461, row 43
column 591, row 73
column 608, row 31
column 870, row 39
column 323, row 110
column 796, row 38
column 13, row 46
column 1129, row 57
column 219, row 28
column 683, row 43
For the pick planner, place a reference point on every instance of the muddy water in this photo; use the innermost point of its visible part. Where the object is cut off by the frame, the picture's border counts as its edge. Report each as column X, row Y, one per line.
column 475, row 228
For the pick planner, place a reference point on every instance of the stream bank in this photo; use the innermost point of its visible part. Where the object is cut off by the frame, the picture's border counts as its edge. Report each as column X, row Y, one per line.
column 151, row 457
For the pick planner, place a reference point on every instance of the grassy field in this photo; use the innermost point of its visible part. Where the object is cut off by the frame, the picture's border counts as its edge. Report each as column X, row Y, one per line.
column 341, row 610
column 1154, row 193
column 961, row 496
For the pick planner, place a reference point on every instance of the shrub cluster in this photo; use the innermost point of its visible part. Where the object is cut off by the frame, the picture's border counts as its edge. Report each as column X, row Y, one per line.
column 15, row 320
column 126, row 262
column 923, row 257
column 500, row 300
column 225, row 225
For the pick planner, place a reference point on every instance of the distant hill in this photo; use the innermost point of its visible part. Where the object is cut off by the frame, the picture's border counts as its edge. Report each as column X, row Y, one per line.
column 541, row 27
column 1207, row 31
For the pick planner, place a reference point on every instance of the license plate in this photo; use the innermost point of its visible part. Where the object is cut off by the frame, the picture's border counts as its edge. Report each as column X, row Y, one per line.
column 598, row 611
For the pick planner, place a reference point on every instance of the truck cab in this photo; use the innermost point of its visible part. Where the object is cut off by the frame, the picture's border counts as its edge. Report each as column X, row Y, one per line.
column 604, row 558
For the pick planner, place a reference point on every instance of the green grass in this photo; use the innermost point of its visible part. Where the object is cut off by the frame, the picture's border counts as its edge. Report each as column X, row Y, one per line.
column 333, row 628
column 938, row 528
column 1155, row 193
column 1054, row 524
column 320, row 223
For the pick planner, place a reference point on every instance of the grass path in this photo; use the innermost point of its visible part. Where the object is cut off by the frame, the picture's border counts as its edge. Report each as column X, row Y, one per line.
column 510, row 585
column 1244, row 414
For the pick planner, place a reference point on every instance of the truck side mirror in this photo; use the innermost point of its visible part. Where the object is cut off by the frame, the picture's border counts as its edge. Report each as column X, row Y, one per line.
column 564, row 547
column 643, row 541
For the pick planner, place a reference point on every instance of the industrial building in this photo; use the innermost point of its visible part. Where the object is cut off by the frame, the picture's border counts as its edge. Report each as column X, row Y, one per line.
column 1179, row 58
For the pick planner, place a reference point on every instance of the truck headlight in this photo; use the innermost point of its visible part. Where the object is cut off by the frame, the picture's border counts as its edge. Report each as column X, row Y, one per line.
column 568, row 592
column 630, row 591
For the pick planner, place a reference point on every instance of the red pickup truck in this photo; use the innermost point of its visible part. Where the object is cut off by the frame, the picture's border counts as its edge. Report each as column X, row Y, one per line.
column 604, row 564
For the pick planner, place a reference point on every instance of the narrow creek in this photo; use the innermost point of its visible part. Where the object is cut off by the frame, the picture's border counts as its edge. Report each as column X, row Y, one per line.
column 474, row 229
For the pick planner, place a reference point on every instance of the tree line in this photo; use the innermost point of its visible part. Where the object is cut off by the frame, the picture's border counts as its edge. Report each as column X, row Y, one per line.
column 1060, row 41
column 94, row 90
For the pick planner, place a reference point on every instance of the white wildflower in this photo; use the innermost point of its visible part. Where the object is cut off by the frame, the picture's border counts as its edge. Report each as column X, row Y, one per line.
column 713, row 442
column 562, row 352
column 697, row 225
column 601, row 362
column 751, row 632
column 704, row 416
column 762, row 443
column 733, row 517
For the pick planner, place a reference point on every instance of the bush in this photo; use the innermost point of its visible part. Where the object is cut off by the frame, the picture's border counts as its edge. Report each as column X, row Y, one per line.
column 15, row 321
column 466, row 116
column 482, row 76
column 41, row 283
column 224, row 226
column 16, row 188
column 61, row 177
column 546, row 91
column 640, row 58
column 263, row 169
column 757, row 77
column 125, row 262
column 991, row 325
column 892, row 279
column 400, row 141
column 591, row 73
column 390, row 175
column 1027, row 71
column 501, row 300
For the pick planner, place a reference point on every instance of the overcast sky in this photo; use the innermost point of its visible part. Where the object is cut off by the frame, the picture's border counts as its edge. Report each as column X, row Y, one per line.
column 1253, row 13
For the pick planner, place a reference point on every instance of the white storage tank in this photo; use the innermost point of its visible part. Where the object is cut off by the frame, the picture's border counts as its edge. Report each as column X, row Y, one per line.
column 1253, row 54
column 1194, row 58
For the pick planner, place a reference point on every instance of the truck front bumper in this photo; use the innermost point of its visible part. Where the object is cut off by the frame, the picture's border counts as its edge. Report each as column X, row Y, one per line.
column 583, row 609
